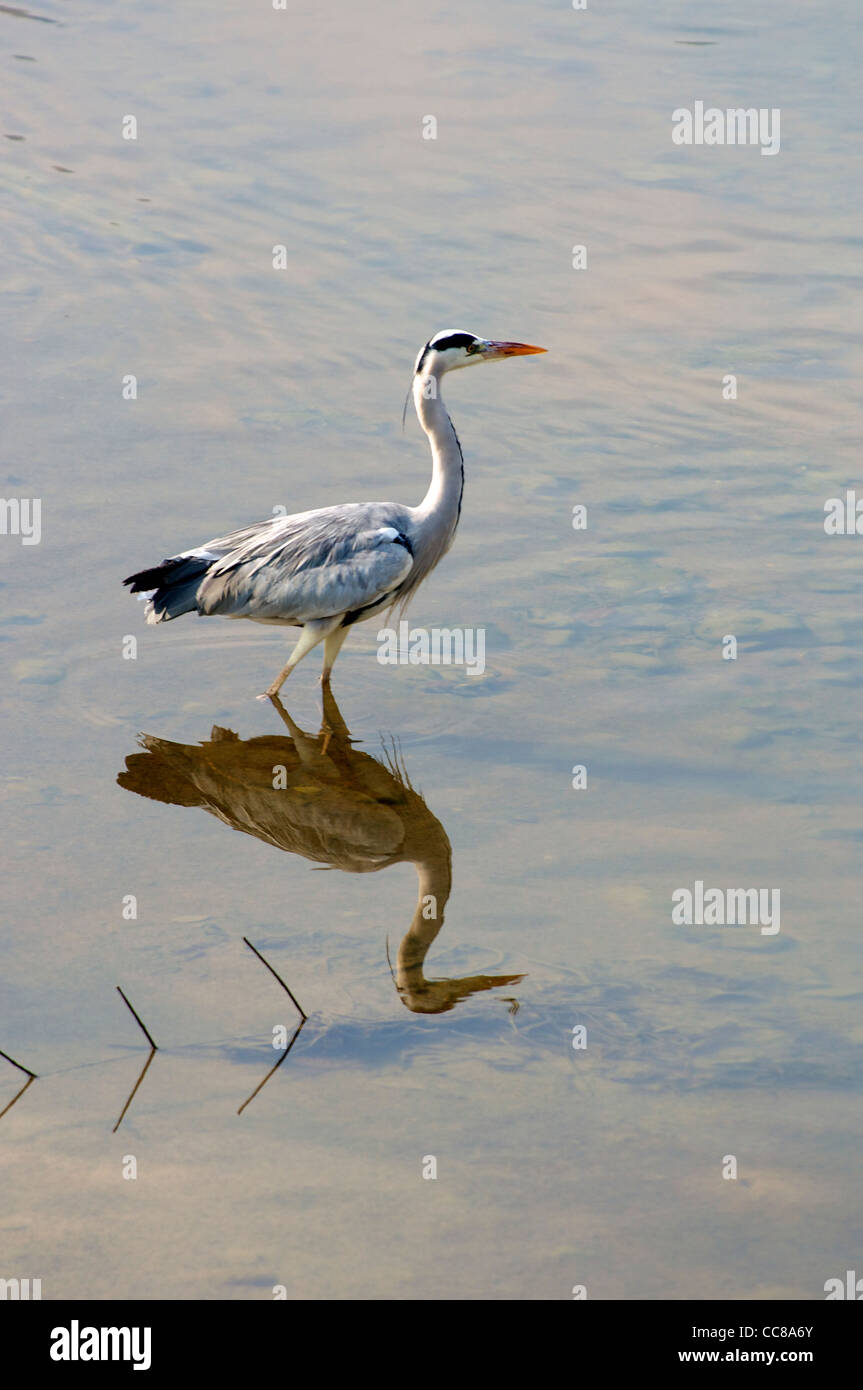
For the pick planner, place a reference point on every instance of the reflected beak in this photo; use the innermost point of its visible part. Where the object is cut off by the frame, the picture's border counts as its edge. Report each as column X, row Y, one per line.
column 493, row 350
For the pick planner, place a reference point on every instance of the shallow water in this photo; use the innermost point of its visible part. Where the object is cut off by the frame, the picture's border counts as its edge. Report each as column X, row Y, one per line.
column 260, row 388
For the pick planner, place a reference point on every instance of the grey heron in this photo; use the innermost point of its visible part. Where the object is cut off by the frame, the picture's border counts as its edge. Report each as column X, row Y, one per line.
column 324, row 570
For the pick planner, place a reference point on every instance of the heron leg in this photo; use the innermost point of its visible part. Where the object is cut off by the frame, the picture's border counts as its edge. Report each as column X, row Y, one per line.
column 332, row 646
column 333, row 720
column 286, row 719
column 311, row 635
column 293, row 729
column 306, row 744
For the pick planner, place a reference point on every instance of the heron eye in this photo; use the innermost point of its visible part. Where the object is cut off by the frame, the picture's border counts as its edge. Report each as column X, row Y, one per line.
column 453, row 340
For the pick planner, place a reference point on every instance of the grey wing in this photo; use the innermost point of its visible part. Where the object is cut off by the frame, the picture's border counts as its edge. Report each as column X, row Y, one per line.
column 297, row 569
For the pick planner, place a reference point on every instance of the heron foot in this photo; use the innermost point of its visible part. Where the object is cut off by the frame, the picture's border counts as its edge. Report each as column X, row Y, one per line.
column 272, row 691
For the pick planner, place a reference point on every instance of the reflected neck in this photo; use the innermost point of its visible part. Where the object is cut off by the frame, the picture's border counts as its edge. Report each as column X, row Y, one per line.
column 435, row 884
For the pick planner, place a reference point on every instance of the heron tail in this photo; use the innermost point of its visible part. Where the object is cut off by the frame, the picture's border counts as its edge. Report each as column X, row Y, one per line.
column 173, row 586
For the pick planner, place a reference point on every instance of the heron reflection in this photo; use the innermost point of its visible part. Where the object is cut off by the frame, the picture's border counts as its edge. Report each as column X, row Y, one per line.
column 318, row 796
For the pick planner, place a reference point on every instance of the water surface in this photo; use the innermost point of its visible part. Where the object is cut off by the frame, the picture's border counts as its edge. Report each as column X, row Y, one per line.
column 260, row 388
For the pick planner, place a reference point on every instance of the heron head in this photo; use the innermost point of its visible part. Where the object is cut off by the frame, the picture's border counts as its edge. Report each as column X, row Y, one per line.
column 452, row 348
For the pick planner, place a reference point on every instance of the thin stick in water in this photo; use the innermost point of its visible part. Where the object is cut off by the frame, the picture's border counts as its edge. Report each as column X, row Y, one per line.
column 299, row 1028
column 26, row 1070
column 18, row 1094
column 137, row 1018
column 300, row 1010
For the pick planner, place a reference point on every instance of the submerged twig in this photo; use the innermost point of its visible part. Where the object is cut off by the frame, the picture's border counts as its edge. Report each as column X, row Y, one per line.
column 138, row 1020
column 31, row 1077
column 300, row 1010
column 153, row 1050
column 304, row 1018
column 299, row 1028
column 26, row 1070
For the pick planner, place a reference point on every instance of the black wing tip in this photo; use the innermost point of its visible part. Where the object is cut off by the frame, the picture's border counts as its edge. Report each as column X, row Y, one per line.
column 176, row 570
column 145, row 579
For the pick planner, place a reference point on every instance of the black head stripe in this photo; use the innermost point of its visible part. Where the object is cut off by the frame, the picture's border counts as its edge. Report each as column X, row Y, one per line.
column 453, row 340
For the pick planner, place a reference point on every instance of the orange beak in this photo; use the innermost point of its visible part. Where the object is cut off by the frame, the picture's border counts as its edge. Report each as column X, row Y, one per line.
column 493, row 350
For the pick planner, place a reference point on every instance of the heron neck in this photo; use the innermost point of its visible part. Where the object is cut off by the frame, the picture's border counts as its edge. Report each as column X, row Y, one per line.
column 434, row 878
column 442, row 502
